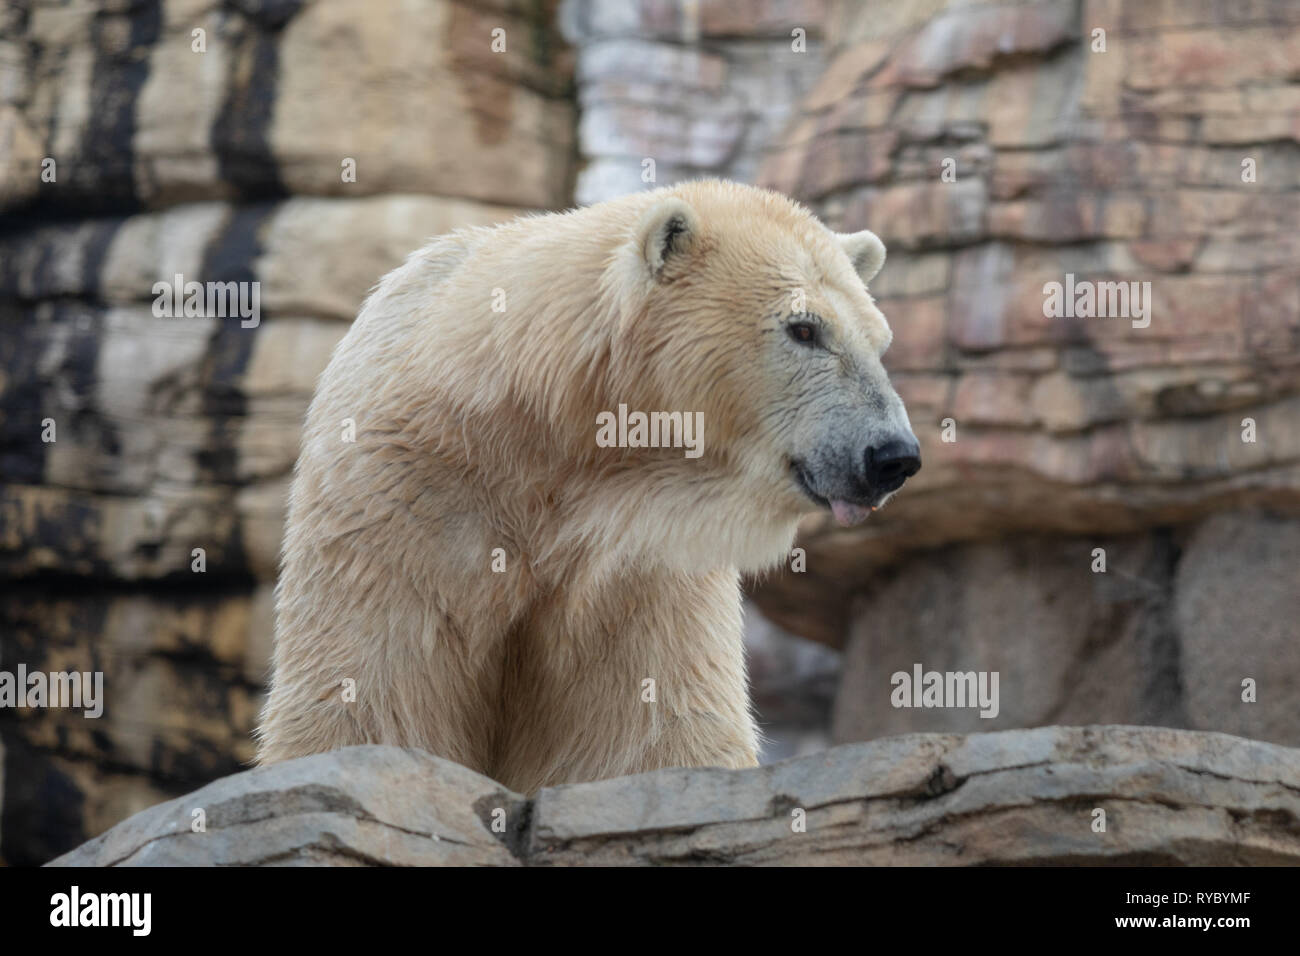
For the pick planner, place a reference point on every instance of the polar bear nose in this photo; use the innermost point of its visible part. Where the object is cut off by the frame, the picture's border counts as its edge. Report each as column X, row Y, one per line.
column 891, row 464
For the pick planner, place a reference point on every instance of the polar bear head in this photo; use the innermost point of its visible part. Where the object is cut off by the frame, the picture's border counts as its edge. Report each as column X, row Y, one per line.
column 740, row 304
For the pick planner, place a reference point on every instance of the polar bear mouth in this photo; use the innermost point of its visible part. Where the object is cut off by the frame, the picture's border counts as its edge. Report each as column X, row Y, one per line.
column 805, row 483
column 847, row 513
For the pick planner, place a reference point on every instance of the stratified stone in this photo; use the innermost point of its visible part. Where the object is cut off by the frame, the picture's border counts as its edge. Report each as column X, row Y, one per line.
column 359, row 806
column 1019, row 797
column 298, row 151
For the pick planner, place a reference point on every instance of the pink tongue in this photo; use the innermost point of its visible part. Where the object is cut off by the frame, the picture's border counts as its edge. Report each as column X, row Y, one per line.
column 847, row 515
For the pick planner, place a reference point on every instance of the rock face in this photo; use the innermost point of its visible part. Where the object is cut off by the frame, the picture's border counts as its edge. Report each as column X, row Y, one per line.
column 1166, row 636
column 306, row 147
column 1030, row 796
column 998, row 148
column 363, row 805
column 675, row 91
column 161, row 102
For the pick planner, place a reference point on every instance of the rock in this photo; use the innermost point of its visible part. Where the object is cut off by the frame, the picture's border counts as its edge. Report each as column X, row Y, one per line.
column 363, row 805
column 143, row 540
column 1112, row 653
column 72, row 799
column 182, row 675
column 1236, row 612
column 20, row 157
column 1124, row 18
column 1064, row 163
column 971, row 39
column 911, row 215
column 712, row 19
column 648, row 91
column 136, row 109
column 1067, row 434
column 1027, row 797
column 792, row 683
column 1166, row 634
column 1213, row 57
column 304, row 252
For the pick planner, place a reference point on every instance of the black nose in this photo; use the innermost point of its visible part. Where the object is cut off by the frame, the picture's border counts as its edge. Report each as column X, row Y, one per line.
column 891, row 464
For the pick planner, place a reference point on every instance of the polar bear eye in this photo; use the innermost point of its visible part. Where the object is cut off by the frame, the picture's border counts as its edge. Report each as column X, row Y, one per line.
column 802, row 332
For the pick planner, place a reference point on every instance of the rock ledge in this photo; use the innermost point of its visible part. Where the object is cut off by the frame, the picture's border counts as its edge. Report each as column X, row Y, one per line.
column 1018, row 797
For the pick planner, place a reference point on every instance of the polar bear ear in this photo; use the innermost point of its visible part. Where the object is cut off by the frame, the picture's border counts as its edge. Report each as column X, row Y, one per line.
column 667, row 229
column 865, row 251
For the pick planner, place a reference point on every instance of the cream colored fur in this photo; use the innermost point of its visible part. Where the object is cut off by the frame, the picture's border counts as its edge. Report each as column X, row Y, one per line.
column 475, row 430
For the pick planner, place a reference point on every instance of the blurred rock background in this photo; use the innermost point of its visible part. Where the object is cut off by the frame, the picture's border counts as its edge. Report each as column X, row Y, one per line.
column 1070, row 435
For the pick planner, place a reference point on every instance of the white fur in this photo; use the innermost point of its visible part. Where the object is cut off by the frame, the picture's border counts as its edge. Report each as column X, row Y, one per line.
column 475, row 431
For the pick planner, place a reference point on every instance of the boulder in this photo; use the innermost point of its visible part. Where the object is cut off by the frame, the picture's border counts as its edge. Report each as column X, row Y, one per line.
column 1024, row 797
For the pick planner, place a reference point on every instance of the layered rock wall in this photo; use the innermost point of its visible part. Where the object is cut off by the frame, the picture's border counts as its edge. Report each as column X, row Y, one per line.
column 306, row 147
column 995, row 146
column 1107, row 514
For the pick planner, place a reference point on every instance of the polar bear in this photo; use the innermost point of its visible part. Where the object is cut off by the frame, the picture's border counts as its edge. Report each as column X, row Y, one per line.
column 537, row 464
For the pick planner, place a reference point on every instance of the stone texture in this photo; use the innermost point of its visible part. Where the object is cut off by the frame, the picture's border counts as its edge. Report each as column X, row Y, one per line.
column 177, row 434
column 793, row 682
column 225, row 165
column 354, row 807
column 1070, row 645
column 1070, row 434
column 1045, row 437
column 1171, row 798
column 699, row 89
column 133, row 113
column 1236, row 613
column 973, row 37
column 61, row 802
